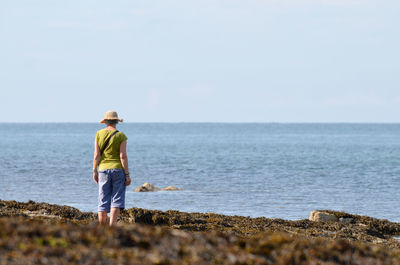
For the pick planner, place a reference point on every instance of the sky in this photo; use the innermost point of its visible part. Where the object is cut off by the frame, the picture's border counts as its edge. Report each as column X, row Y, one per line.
column 200, row 60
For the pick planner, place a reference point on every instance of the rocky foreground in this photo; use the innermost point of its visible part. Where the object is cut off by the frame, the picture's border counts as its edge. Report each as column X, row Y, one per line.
column 41, row 233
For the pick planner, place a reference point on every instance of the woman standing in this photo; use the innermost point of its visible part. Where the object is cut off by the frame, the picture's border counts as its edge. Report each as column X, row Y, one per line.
column 110, row 168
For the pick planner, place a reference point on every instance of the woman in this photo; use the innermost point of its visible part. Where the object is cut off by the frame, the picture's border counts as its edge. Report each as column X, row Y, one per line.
column 112, row 174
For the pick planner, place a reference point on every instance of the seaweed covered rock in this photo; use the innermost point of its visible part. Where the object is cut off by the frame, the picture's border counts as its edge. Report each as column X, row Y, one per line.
column 35, row 209
column 355, row 228
column 32, row 241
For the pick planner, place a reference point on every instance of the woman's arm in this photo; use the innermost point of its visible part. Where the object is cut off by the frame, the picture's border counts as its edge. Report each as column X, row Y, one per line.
column 124, row 161
column 96, row 160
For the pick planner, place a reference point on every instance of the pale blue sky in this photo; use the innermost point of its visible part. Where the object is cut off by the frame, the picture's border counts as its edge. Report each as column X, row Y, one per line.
column 200, row 60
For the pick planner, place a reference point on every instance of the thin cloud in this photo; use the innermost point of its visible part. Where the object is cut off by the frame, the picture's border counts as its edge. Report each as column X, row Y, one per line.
column 153, row 100
column 197, row 91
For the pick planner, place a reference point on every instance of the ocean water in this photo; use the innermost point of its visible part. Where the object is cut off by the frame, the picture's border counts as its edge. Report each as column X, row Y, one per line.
column 272, row 170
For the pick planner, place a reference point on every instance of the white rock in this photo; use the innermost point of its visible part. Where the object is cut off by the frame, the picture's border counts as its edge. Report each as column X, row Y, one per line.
column 146, row 187
column 318, row 216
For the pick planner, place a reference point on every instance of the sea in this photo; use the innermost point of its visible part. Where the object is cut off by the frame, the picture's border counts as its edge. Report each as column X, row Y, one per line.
column 275, row 170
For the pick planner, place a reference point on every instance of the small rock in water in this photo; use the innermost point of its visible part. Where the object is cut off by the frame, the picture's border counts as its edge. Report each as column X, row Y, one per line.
column 318, row 216
column 148, row 187
column 171, row 188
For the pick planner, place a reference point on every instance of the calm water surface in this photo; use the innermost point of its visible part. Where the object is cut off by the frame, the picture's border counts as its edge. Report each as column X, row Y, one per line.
column 273, row 170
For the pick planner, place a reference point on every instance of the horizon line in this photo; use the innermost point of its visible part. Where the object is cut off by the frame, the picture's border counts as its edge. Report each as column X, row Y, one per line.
column 197, row 122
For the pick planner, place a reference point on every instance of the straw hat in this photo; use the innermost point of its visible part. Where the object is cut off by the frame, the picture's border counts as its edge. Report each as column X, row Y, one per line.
column 111, row 115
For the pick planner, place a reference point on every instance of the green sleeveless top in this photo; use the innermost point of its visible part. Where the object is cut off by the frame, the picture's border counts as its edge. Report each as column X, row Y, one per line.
column 110, row 158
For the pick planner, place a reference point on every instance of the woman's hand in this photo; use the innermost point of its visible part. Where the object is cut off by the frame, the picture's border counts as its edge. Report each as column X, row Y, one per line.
column 96, row 176
column 128, row 180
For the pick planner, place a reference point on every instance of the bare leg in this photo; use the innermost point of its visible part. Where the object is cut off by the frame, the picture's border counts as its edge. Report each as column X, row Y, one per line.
column 102, row 218
column 114, row 216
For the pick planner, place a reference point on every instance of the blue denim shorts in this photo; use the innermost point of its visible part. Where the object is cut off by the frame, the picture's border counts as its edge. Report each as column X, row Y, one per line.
column 111, row 189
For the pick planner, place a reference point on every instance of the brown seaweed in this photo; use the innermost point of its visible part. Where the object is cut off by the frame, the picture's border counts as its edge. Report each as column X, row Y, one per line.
column 41, row 233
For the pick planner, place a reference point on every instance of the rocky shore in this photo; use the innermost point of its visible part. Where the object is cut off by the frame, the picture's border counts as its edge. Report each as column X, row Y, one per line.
column 41, row 233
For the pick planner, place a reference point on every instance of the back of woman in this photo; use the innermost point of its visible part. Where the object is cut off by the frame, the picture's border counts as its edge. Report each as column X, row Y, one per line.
column 110, row 158
column 110, row 168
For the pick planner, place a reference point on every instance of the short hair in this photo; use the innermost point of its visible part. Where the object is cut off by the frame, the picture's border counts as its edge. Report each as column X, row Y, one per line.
column 111, row 122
